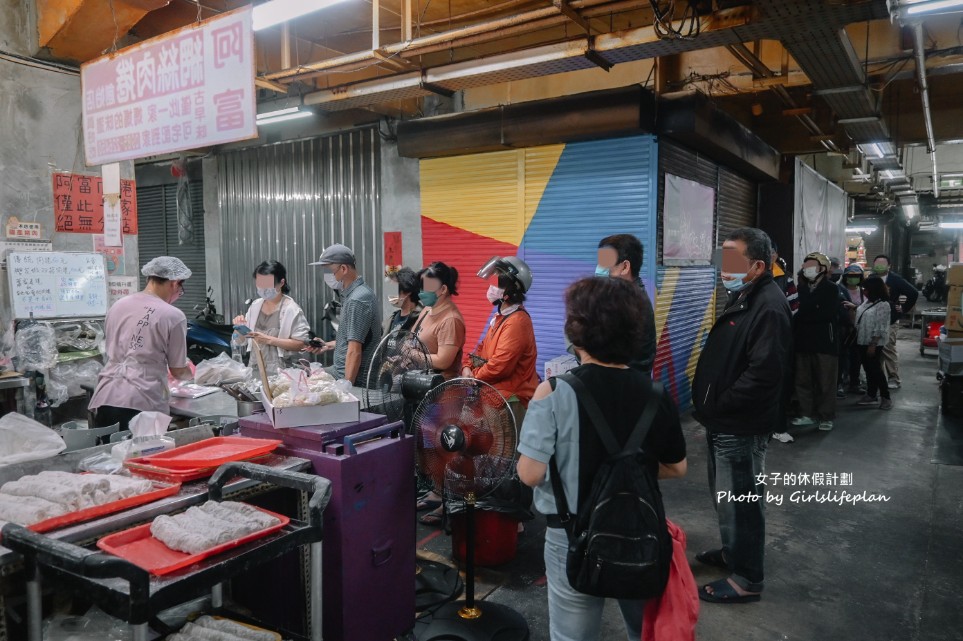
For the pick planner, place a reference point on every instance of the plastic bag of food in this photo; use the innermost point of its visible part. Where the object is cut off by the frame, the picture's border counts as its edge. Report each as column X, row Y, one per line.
column 219, row 370
column 57, row 393
column 101, row 463
column 24, row 439
column 80, row 335
column 75, row 374
column 36, row 347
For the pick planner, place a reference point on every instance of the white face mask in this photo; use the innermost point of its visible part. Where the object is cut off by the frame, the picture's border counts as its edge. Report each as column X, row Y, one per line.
column 811, row 272
column 332, row 281
column 396, row 301
column 267, row 293
column 495, row 294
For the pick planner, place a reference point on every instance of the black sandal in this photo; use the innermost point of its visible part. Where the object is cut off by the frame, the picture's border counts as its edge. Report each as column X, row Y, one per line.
column 714, row 558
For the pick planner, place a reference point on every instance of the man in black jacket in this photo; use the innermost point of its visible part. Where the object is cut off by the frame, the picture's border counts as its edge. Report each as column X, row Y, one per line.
column 620, row 256
column 902, row 298
column 738, row 389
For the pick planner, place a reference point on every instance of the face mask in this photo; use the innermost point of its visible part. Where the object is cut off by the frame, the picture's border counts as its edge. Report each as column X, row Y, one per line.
column 267, row 293
column 428, row 298
column 495, row 294
column 395, row 301
column 811, row 273
column 332, row 281
column 835, row 277
column 853, row 282
column 736, row 283
column 880, row 269
column 602, row 272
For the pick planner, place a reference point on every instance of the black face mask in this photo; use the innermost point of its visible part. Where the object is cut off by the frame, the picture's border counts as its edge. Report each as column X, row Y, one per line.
column 835, row 277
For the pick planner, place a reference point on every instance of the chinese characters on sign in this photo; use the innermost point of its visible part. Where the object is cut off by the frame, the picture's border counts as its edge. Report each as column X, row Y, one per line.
column 113, row 256
column 79, row 204
column 190, row 88
column 57, row 284
column 120, row 286
column 23, row 231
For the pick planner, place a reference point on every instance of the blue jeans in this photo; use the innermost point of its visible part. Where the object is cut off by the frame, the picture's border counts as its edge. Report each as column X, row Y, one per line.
column 573, row 616
column 734, row 464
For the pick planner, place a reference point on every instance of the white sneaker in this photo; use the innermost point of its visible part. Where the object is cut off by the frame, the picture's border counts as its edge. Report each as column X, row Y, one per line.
column 826, row 426
column 894, row 385
column 783, row 437
column 803, row 421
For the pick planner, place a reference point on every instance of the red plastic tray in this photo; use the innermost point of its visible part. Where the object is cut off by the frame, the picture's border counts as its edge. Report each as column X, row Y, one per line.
column 160, row 491
column 139, row 546
column 141, row 467
column 213, row 452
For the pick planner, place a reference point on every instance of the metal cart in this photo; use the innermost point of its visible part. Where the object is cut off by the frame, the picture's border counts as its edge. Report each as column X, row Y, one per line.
column 930, row 328
column 130, row 593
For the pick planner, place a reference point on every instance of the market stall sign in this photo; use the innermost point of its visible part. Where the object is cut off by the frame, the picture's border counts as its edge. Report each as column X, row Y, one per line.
column 79, row 204
column 19, row 230
column 189, row 88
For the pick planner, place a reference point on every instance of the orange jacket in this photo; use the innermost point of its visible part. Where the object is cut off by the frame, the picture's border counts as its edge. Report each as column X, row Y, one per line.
column 509, row 348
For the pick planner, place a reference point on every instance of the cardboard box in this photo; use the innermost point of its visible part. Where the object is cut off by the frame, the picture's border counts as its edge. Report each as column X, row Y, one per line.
column 954, row 275
column 951, row 350
column 560, row 365
column 301, row 416
column 954, row 309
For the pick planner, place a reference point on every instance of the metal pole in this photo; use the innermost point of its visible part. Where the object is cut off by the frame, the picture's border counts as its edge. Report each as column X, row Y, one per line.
column 375, row 25
column 316, row 594
column 141, row 632
column 217, row 596
column 34, row 602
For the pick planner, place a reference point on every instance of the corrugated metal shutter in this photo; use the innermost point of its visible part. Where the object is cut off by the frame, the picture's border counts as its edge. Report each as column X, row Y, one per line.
column 287, row 202
column 736, row 207
column 598, row 188
column 681, row 161
column 876, row 244
column 157, row 236
column 684, row 312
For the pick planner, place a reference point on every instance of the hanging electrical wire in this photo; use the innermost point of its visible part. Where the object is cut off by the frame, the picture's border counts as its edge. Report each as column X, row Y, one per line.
column 663, row 14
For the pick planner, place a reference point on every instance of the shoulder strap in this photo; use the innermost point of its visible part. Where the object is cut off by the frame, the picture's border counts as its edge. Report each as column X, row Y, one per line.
column 641, row 429
column 561, row 503
column 421, row 316
column 594, row 412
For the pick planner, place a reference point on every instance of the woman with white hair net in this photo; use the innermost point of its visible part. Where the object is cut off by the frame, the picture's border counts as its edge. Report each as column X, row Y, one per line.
column 145, row 335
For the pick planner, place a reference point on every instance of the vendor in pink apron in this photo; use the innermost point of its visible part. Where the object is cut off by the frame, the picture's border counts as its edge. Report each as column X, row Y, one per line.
column 145, row 335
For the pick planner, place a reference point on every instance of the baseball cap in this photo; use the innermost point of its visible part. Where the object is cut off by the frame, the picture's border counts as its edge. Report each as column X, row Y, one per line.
column 336, row 254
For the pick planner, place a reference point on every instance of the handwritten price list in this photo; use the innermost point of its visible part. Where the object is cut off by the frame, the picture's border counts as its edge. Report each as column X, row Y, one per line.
column 52, row 284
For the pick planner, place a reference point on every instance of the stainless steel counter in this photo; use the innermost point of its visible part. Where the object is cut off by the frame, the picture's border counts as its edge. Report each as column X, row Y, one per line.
column 14, row 382
column 223, row 404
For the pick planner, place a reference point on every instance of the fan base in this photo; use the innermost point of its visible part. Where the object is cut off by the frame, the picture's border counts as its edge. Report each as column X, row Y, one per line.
column 435, row 583
column 494, row 622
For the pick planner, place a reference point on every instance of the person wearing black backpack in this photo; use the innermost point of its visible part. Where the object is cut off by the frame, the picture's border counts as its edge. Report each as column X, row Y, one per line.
column 738, row 393
column 574, row 424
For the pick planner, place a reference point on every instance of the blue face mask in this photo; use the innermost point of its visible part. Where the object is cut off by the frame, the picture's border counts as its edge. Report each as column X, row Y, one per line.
column 736, row 283
column 602, row 272
column 428, row 298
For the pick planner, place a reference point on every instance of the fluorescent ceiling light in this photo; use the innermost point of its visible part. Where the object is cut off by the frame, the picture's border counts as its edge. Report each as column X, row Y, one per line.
column 951, row 225
column 874, row 148
column 267, row 115
column 911, row 211
column 288, row 116
column 860, row 230
column 927, row 7
column 275, row 12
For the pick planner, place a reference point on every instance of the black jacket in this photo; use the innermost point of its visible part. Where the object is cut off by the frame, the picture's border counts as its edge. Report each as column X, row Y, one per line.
column 739, row 381
column 898, row 286
column 648, row 349
column 815, row 325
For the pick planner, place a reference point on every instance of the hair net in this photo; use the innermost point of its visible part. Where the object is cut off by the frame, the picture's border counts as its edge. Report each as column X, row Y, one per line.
column 167, row 267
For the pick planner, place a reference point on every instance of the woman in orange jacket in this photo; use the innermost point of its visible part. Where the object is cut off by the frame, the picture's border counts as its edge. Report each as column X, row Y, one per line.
column 505, row 357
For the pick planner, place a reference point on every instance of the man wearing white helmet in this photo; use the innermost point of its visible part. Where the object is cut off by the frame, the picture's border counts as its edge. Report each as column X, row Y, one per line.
column 145, row 335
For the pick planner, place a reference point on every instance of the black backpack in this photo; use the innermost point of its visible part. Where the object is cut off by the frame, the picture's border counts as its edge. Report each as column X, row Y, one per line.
column 619, row 544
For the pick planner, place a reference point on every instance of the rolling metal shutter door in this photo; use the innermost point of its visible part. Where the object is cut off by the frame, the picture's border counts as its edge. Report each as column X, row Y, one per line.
column 736, row 207
column 598, row 188
column 157, row 236
column 287, row 202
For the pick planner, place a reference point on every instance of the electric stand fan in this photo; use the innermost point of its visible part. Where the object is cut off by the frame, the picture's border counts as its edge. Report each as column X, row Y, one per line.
column 397, row 381
column 466, row 440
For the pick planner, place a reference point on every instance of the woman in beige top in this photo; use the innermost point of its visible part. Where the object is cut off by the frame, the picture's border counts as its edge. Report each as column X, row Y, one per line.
column 441, row 326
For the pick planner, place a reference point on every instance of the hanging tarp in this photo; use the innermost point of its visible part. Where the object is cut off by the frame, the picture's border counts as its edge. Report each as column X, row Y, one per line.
column 819, row 221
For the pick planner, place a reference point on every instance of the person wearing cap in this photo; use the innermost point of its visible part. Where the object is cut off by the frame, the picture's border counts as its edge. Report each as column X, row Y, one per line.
column 816, row 339
column 359, row 329
column 505, row 357
column 144, row 337
column 852, row 284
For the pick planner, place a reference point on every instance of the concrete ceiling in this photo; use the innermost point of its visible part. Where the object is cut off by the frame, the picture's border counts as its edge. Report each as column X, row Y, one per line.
column 809, row 76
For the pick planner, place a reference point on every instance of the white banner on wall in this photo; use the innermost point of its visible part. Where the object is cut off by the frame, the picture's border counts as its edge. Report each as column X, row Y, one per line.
column 687, row 216
column 819, row 221
column 193, row 87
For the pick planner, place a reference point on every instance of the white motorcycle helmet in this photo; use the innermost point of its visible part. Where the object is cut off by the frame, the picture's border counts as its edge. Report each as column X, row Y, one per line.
column 510, row 265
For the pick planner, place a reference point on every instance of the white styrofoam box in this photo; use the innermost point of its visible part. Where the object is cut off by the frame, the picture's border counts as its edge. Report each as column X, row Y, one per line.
column 560, row 365
column 349, row 412
column 951, row 350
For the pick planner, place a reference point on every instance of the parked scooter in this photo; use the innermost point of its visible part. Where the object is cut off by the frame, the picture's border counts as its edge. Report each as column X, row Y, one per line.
column 935, row 289
column 207, row 336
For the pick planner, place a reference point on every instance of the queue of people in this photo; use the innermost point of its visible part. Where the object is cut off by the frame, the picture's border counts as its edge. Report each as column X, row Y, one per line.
column 832, row 324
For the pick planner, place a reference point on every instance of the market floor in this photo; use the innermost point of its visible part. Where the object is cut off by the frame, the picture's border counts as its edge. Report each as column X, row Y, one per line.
column 882, row 571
